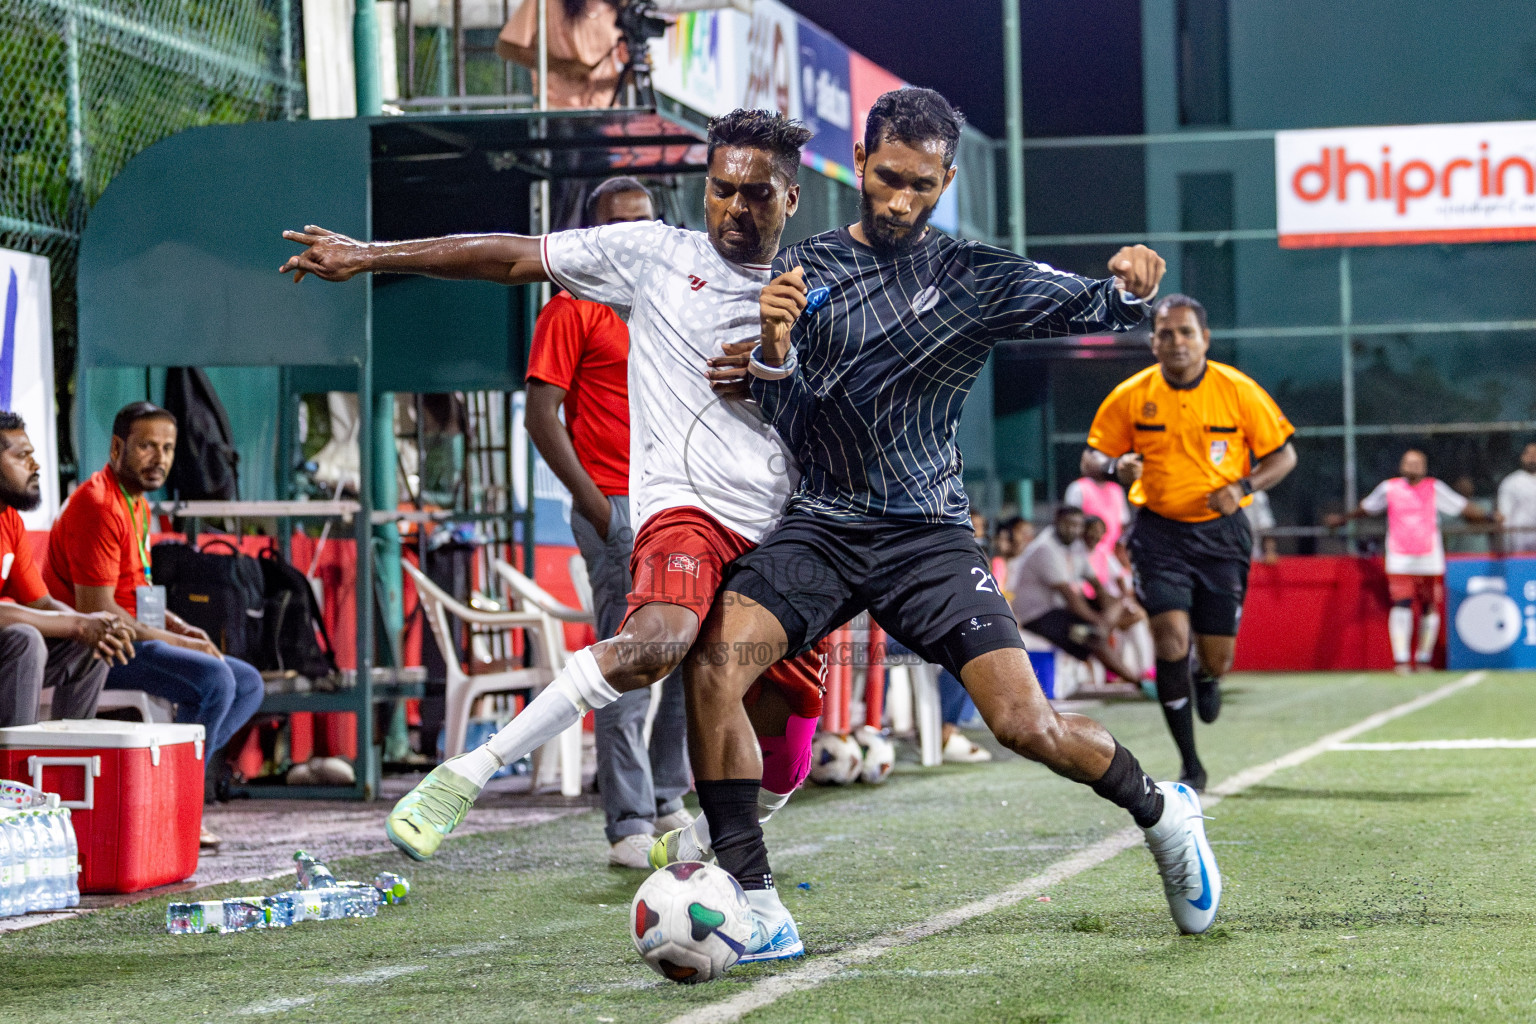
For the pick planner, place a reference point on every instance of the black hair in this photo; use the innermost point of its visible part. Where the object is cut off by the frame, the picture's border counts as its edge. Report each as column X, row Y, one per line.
column 575, row 9
column 10, row 421
column 1068, row 510
column 1090, row 520
column 913, row 115
column 1009, row 524
column 133, row 412
column 780, row 136
column 611, row 187
column 1177, row 301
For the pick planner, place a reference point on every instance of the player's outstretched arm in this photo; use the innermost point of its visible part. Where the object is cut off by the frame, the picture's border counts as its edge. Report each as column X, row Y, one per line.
column 1138, row 270
column 502, row 259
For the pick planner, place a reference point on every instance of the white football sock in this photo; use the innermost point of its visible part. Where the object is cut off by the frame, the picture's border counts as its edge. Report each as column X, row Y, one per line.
column 1400, row 630
column 1429, row 632
column 768, row 802
column 579, row 687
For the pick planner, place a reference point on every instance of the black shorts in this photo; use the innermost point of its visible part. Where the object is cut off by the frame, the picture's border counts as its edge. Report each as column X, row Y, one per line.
column 926, row 584
column 1063, row 629
column 1199, row 568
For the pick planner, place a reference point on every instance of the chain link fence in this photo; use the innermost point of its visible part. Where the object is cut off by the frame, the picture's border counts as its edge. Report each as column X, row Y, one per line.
column 86, row 84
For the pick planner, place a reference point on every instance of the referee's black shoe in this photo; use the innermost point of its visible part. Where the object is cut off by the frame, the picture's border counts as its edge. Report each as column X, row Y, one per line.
column 1207, row 697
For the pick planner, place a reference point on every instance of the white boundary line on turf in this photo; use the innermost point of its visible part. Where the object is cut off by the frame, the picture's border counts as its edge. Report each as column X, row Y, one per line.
column 813, row 973
column 1441, row 745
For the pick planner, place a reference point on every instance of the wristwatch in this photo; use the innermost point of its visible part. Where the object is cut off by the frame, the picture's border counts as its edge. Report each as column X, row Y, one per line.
column 1247, row 486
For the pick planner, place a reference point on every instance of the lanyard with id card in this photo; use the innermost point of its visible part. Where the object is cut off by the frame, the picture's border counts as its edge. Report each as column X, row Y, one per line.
column 149, row 600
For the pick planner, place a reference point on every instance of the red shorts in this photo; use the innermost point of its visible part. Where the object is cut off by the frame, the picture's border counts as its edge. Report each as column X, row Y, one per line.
column 1428, row 591
column 679, row 557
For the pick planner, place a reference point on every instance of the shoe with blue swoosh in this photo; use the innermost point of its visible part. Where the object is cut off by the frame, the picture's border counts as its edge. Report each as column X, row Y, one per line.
column 1191, row 880
column 774, row 933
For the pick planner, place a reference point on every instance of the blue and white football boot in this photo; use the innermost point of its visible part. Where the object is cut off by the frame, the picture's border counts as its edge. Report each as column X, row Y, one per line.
column 1191, row 880
column 774, row 934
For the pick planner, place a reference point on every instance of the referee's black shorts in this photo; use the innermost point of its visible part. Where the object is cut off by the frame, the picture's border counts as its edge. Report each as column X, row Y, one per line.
column 1199, row 568
column 926, row 584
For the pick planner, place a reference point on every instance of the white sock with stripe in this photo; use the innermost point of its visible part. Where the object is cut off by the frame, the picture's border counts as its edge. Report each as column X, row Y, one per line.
column 580, row 686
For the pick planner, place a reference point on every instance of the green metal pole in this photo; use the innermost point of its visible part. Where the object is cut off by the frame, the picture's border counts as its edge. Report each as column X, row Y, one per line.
column 365, row 58
column 1013, row 98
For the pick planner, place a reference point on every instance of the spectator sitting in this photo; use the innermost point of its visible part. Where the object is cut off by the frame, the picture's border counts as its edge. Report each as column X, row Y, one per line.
column 1048, row 597
column 98, row 561
column 43, row 642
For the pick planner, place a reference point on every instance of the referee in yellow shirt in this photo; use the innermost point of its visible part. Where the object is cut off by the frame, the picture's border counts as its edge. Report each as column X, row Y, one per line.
column 1192, row 440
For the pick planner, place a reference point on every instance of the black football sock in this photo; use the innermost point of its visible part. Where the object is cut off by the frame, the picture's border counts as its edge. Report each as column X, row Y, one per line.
column 730, row 806
column 1173, row 693
column 1126, row 785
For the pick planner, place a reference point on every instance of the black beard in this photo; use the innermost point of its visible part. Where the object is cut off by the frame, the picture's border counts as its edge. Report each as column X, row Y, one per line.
column 21, row 501
column 882, row 239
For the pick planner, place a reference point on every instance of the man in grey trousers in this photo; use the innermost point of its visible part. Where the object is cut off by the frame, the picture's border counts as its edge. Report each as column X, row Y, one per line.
column 43, row 642
column 580, row 360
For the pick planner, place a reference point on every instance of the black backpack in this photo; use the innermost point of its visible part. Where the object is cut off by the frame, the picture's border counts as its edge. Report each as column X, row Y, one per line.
column 207, row 466
column 293, row 635
column 220, row 593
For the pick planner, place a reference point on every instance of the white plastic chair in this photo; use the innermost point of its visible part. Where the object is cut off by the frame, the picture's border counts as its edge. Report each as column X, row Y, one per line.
column 149, row 707
column 532, row 597
column 913, row 697
column 462, row 688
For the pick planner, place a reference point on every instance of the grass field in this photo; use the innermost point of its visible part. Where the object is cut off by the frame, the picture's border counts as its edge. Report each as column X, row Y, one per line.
column 1360, row 886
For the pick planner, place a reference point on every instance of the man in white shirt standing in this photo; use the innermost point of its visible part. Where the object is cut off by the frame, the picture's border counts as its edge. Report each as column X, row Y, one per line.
column 1517, row 504
column 1412, row 504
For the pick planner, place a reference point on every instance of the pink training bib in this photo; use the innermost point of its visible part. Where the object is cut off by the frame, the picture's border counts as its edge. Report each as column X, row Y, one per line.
column 1411, row 520
column 1105, row 499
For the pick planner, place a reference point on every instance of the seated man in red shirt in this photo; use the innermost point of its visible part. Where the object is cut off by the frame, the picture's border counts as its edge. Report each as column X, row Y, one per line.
column 98, row 558
column 43, row 642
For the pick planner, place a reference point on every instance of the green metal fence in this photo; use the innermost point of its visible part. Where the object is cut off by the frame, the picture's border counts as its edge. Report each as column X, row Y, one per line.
column 86, row 84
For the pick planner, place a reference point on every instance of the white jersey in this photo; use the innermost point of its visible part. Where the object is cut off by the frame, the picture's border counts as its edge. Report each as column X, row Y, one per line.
column 1517, row 504
column 683, row 302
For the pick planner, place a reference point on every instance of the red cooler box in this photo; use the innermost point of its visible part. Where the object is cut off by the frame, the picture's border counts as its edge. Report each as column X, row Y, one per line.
column 135, row 789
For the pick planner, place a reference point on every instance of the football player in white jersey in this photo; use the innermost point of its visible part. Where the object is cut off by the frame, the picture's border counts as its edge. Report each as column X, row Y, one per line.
column 709, row 475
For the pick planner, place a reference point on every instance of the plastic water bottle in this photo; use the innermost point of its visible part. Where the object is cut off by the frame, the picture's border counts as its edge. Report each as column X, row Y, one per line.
column 312, row 874
column 59, row 859
column 7, row 899
column 35, row 880
column 71, row 859
column 392, row 887
column 17, row 859
column 222, row 916
column 328, row 904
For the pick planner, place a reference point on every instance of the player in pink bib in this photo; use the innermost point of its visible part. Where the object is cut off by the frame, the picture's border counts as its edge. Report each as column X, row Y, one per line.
column 1413, row 504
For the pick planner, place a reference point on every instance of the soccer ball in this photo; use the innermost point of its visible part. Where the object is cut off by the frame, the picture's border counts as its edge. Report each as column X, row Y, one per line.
column 835, row 760
column 690, row 921
column 879, row 756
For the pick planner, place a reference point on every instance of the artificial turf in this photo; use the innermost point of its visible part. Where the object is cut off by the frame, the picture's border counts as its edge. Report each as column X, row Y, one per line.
column 1360, row 886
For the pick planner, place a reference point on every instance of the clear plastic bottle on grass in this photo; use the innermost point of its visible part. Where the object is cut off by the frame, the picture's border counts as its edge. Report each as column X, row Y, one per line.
column 222, row 916
column 328, row 904
column 392, row 887
column 312, row 874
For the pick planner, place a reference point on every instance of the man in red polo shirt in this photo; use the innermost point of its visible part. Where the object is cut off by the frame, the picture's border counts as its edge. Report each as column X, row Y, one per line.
column 580, row 360
column 98, row 558
column 43, row 643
